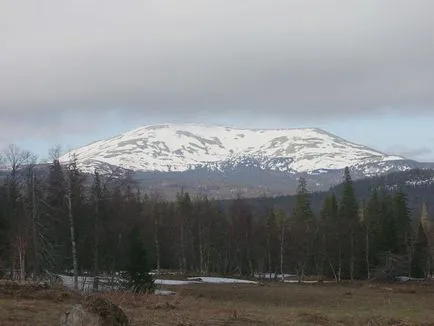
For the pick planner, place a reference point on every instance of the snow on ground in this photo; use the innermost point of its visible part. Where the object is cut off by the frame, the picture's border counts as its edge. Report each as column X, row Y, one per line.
column 272, row 276
column 85, row 284
column 220, row 280
column 164, row 292
column 408, row 279
column 173, row 282
column 308, row 282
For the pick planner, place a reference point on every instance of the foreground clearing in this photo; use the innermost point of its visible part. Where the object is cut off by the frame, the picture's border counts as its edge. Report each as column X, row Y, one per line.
column 230, row 304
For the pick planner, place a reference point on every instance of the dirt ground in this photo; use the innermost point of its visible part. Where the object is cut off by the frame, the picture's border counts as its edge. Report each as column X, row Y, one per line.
column 223, row 304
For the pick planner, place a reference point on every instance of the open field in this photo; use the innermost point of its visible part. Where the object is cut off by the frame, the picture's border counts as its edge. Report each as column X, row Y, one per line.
column 228, row 304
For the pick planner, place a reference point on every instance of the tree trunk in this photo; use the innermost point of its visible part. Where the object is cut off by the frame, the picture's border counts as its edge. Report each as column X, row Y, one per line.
column 240, row 261
column 352, row 258
column 340, row 261
column 22, row 266
column 157, row 242
column 249, row 260
column 368, row 267
column 282, row 243
column 35, row 234
column 96, row 249
column 21, row 249
column 201, row 262
column 73, row 244
column 269, row 254
column 208, row 257
column 227, row 259
column 409, row 249
column 335, row 275
column 183, row 258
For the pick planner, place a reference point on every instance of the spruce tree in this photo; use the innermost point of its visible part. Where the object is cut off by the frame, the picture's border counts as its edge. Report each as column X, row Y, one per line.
column 386, row 227
column 330, row 245
column 55, row 221
column 373, row 230
column 301, row 226
column 349, row 214
column 137, row 274
column 402, row 223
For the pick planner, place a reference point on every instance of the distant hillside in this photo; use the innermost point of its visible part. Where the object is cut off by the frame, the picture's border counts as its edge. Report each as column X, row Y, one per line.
column 418, row 184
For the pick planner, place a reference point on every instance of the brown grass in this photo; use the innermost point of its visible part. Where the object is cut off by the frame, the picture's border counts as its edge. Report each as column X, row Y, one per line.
column 272, row 304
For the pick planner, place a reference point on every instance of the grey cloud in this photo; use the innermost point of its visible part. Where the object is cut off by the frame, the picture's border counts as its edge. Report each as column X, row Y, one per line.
column 293, row 58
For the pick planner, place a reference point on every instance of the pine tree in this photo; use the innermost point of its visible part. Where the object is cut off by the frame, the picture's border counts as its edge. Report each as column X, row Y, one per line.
column 137, row 274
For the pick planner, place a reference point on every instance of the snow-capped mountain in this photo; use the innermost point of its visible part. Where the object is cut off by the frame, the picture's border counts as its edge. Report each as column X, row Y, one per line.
column 222, row 162
column 186, row 147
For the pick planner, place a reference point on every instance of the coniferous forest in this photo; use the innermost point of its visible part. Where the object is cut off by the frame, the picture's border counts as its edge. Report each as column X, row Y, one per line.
column 55, row 219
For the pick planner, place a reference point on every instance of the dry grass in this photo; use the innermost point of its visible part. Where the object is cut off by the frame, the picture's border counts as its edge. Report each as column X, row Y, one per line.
column 31, row 305
column 274, row 304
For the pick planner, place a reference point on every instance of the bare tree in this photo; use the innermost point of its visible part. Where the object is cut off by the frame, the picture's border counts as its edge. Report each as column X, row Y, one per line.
column 70, row 179
column 33, row 210
column 15, row 158
column 54, row 153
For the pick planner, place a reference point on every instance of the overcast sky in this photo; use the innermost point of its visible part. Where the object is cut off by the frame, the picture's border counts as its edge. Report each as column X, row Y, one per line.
column 73, row 71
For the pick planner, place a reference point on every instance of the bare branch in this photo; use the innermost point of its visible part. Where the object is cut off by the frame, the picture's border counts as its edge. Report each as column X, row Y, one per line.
column 54, row 153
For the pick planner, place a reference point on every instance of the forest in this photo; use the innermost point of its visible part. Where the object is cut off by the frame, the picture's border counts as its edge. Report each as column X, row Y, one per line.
column 54, row 218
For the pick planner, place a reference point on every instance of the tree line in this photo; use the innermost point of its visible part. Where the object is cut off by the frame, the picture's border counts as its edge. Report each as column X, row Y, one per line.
column 58, row 219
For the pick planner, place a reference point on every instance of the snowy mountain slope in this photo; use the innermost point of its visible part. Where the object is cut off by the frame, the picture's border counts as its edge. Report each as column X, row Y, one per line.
column 186, row 147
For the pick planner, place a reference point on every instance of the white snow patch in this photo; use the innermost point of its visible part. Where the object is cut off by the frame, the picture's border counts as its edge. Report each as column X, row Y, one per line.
column 308, row 282
column 221, row 280
column 172, row 282
column 271, row 276
column 164, row 292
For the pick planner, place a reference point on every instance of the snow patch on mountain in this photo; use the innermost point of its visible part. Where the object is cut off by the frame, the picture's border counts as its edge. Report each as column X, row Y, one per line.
column 183, row 147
